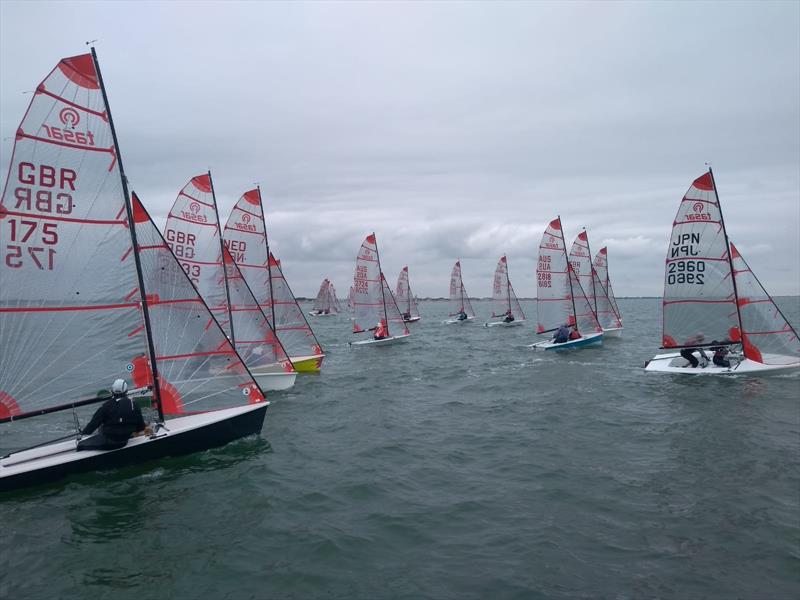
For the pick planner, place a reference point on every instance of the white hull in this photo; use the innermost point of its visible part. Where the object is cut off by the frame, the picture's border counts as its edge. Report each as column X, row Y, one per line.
column 412, row 320
column 591, row 339
column 178, row 436
column 515, row 323
column 662, row 363
column 387, row 341
column 274, row 381
column 613, row 332
column 453, row 321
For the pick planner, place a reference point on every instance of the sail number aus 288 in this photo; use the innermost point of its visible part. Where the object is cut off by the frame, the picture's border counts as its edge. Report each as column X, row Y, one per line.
column 687, row 271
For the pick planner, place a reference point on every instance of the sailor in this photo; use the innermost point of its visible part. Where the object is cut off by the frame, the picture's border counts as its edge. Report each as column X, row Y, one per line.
column 462, row 316
column 688, row 352
column 118, row 418
column 562, row 335
column 381, row 331
column 406, row 316
column 509, row 316
column 574, row 334
column 720, row 352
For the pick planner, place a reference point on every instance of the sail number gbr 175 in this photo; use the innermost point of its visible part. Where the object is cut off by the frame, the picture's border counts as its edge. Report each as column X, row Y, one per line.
column 686, row 271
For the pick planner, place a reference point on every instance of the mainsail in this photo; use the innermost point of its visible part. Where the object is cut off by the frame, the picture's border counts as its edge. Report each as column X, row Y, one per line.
column 404, row 296
column 767, row 337
column 560, row 299
column 699, row 303
column 459, row 299
column 246, row 238
column 580, row 259
column 607, row 310
column 198, row 368
column 194, row 236
column 70, row 316
column 336, row 306
column 503, row 297
column 76, row 300
column 373, row 301
column 322, row 303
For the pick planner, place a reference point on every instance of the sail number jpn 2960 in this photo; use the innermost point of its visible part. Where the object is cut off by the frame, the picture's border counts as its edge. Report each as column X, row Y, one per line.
column 680, row 267
column 35, row 239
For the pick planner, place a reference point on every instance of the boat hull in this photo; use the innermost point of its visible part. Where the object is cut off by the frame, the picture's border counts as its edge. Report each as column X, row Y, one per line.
column 307, row 364
column 613, row 332
column 593, row 339
column 662, row 363
column 389, row 341
column 412, row 320
column 515, row 323
column 182, row 435
column 316, row 314
column 454, row 321
column 274, row 382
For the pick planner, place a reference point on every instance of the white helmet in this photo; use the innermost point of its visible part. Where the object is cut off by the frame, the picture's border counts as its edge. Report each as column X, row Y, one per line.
column 120, row 386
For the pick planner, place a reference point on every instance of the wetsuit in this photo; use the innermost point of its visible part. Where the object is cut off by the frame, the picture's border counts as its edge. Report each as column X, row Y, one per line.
column 508, row 319
column 117, row 418
column 719, row 357
column 562, row 335
column 688, row 354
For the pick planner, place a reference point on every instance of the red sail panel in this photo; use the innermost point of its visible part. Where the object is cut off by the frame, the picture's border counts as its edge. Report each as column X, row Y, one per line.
column 699, row 304
column 459, row 298
column 581, row 260
column 585, row 316
column 198, row 368
column 404, row 296
column 767, row 337
column 395, row 323
column 553, row 298
column 246, row 238
column 322, row 303
column 290, row 323
column 607, row 310
column 70, row 318
column 192, row 233
column 368, row 309
column 255, row 339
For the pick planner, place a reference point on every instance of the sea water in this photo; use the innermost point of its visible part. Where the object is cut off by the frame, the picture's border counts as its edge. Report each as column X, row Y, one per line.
column 458, row 465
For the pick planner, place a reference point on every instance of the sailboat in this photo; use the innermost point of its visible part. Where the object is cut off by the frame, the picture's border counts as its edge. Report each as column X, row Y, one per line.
column 560, row 299
column 504, row 301
column 580, row 258
column 459, row 299
column 245, row 236
column 405, row 298
column 325, row 304
column 337, row 306
column 373, row 302
column 90, row 292
column 608, row 312
column 193, row 233
column 713, row 299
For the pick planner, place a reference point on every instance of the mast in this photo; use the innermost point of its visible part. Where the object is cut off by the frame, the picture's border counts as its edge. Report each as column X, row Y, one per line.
column 569, row 268
column 461, row 286
column 591, row 273
column 508, row 284
column 132, row 228
column 222, row 256
column 380, row 272
column 727, row 251
column 269, row 255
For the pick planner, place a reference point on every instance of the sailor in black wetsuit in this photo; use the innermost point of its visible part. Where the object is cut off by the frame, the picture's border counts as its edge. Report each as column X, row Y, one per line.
column 118, row 418
column 509, row 317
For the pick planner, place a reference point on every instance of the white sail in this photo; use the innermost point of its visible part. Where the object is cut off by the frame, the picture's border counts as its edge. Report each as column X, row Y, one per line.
column 503, row 296
column 699, row 302
column 459, row 298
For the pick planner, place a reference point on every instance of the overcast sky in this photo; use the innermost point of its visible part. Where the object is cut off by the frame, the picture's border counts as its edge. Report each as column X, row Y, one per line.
column 453, row 130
